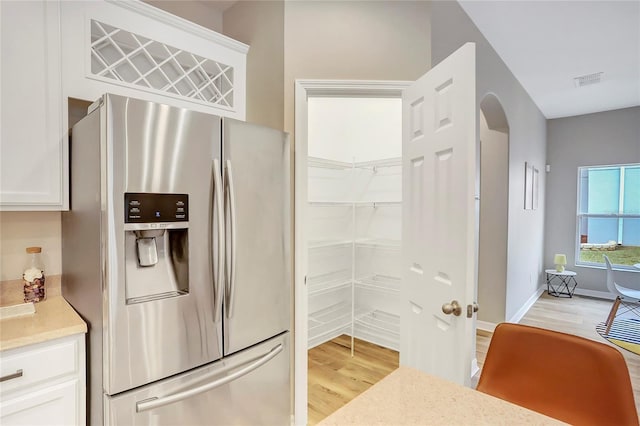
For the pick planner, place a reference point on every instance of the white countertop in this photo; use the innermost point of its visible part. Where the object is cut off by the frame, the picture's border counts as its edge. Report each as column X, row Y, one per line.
column 411, row 397
column 54, row 317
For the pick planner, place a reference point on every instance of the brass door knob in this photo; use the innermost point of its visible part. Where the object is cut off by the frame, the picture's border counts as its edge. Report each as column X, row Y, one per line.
column 452, row 308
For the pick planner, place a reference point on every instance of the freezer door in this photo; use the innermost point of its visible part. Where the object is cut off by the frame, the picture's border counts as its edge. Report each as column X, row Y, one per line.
column 249, row 388
column 258, row 225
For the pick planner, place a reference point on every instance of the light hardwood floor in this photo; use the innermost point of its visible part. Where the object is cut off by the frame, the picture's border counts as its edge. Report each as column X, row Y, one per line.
column 335, row 378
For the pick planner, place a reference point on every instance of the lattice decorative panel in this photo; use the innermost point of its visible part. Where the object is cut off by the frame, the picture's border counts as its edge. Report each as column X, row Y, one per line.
column 124, row 56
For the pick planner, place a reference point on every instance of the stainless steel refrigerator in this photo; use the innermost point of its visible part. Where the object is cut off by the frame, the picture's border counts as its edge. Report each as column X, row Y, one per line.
column 176, row 252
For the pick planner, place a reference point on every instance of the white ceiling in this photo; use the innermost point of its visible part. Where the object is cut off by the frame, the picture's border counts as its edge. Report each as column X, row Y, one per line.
column 546, row 44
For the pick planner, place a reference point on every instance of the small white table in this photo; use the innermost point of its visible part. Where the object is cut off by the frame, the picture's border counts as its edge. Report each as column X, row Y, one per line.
column 561, row 284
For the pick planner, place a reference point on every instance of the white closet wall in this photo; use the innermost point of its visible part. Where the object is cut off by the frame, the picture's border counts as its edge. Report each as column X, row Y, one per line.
column 354, row 219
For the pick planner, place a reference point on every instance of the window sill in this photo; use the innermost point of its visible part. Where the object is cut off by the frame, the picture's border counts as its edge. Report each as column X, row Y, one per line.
column 629, row 268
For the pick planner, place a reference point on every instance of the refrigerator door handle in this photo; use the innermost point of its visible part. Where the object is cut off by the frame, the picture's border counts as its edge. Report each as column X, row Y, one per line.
column 218, row 207
column 155, row 402
column 231, row 260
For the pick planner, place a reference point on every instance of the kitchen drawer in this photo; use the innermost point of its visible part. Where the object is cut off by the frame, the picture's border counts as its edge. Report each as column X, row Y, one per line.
column 38, row 363
column 48, row 406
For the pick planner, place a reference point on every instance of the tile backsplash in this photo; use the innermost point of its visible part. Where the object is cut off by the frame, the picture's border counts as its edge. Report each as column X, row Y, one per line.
column 19, row 230
column 11, row 291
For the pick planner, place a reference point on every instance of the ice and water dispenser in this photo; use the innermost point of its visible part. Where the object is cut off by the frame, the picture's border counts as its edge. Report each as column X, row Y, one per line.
column 156, row 246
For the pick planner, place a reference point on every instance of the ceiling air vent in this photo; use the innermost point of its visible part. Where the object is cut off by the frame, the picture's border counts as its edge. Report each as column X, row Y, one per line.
column 585, row 80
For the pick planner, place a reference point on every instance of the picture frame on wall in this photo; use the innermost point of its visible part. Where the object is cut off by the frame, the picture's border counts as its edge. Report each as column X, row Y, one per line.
column 531, row 186
column 528, row 186
column 534, row 189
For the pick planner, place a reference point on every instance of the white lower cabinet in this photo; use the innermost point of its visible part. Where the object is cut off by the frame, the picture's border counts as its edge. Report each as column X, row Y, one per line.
column 44, row 383
column 48, row 406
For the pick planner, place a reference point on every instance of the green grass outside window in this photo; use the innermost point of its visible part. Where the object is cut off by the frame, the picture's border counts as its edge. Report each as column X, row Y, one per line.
column 622, row 255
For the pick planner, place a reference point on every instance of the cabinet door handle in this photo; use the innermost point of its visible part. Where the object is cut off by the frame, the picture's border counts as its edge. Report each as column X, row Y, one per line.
column 11, row 376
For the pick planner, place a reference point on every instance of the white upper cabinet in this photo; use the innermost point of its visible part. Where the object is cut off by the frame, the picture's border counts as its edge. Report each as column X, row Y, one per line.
column 32, row 153
column 53, row 51
column 133, row 49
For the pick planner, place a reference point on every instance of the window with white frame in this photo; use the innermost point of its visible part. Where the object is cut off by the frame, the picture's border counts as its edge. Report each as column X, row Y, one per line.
column 609, row 215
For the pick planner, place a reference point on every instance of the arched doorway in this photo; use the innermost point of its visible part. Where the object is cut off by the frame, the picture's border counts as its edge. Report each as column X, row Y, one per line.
column 494, row 212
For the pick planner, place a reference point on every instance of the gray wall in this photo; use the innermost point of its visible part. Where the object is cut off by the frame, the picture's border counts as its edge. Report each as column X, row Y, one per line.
column 611, row 137
column 260, row 24
column 359, row 40
column 450, row 29
column 494, row 216
column 192, row 10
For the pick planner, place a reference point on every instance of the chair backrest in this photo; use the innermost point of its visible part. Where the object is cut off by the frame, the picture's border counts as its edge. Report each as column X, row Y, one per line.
column 611, row 279
column 576, row 380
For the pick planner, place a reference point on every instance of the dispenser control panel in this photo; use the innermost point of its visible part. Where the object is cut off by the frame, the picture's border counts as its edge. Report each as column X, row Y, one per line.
column 149, row 208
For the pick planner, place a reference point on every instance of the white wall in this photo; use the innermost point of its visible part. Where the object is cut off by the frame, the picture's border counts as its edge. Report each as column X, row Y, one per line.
column 611, row 137
column 450, row 29
column 355, row 129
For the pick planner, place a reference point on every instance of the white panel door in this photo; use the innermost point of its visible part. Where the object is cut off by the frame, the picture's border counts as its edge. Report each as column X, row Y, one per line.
column 439, row 217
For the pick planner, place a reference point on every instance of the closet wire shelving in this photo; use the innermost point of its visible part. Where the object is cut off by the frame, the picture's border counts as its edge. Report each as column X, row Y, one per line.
column 329, row 321
column 380, row 282
column 374, row 325
column 374, row 166
column 329, row 281
column 377, row 326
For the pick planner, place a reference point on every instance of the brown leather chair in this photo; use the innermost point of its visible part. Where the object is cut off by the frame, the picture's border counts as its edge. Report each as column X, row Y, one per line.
column 576, row 380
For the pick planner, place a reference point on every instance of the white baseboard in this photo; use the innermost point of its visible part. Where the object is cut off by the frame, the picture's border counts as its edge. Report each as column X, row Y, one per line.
column 594, row 293
column 527, row 305
column 490, row 327
column 474, row 367
column 486, row 326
